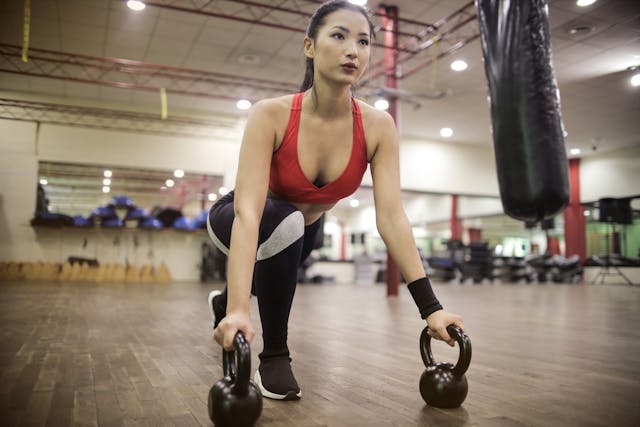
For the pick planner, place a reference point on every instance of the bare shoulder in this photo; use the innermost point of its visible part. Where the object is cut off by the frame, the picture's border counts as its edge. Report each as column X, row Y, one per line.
column 273, row 108
column 379, row 126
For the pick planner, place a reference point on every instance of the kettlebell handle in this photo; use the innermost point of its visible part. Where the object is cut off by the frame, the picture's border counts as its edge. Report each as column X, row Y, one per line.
column 240, row 377
column 464, row 359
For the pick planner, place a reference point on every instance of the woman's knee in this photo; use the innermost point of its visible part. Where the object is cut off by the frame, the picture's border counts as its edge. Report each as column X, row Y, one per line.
column 219, row 222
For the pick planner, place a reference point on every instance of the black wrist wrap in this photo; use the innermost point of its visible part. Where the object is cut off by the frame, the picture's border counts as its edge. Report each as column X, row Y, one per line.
column 424, row 297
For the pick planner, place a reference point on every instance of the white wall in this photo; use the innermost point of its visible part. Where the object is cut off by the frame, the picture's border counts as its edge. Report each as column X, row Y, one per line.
column 614, row 174
column 479, row 206
column 448, row 168
column 102, row 147
column 23, row 145
column 18, row 174
column 428, row 208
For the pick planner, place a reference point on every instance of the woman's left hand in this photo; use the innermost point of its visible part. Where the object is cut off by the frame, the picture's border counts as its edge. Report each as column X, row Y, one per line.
column 438, row 322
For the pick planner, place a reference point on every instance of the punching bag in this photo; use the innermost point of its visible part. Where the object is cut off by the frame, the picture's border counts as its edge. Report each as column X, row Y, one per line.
column 528, row 135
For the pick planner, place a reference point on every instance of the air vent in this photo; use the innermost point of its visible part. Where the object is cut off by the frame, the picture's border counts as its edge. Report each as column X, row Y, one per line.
column 580, row 31
column 249, row 59
column 580, row 28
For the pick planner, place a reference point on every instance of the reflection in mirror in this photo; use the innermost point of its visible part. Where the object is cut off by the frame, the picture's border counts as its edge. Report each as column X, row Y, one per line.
column 79, row 189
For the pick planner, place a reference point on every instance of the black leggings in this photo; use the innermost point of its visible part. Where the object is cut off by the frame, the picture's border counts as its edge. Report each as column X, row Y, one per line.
column 284, row 242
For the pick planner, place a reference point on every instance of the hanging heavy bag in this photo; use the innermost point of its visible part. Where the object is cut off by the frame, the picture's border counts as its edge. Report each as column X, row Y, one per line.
column 235, row 400
column 525, row 108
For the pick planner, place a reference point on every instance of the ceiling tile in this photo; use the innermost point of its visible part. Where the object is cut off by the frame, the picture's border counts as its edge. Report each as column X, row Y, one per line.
column 132, row 52
column 81, row 90
column 185, row 18
column 559, row 17
column 80, row 46
column 208, row 53
column 180, row 30
column 168, row 46
column 219, row 36
column 46, row 86
column 164, row 57
column 10, row 30
column 43, row 41
column 83, row 14
column 89, row 33
column 14, row 82
column 139, row 23
column 617, row 11
column 128, row 38
column 47, row 9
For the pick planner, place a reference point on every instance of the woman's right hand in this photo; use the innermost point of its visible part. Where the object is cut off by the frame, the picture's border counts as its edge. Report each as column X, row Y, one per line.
column 233, row 322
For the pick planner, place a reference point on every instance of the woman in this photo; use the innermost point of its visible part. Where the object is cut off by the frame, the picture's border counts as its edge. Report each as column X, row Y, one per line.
column 300, row 154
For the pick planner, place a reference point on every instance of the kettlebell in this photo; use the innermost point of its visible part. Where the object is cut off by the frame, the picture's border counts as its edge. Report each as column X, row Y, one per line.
column 235, row 400
column 443, row 385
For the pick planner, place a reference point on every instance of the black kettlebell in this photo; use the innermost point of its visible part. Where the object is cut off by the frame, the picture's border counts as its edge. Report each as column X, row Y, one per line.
column 443, row 385
column 235, row 400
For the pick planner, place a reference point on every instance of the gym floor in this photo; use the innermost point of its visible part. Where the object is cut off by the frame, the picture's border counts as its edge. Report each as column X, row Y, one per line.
column 142, row 355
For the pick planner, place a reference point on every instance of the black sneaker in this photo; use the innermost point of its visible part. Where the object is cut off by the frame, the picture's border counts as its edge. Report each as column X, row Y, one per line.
column 275, row 379
column 217, row 310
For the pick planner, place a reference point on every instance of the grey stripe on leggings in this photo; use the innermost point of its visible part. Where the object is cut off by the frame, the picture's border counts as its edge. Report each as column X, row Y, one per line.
column 290, row 229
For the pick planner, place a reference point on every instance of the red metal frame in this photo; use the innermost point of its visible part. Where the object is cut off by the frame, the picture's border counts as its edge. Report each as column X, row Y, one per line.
column 455, row 31
column 124, row 73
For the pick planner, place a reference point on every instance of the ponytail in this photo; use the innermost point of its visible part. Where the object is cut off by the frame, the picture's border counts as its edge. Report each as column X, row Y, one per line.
column 308, row 75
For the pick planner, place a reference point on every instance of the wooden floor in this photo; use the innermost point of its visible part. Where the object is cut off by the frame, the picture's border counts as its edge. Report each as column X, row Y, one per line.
column 141, row 355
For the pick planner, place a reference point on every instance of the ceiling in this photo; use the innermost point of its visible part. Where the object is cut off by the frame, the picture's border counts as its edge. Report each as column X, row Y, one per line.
column 600, row 108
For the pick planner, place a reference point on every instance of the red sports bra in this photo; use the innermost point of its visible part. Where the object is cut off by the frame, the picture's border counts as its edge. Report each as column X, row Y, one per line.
column 286, row 178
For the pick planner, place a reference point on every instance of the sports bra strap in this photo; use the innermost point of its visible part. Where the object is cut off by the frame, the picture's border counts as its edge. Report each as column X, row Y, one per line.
column 297, row 101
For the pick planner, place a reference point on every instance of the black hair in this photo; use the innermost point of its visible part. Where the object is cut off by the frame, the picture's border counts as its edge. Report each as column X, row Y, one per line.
column 317, row 20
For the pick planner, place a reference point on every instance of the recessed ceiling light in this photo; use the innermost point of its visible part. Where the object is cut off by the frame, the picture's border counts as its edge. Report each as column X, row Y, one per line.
column 106, row 181
column 635, row 80
column 243, row 104
column 43, row 181
column 358, row 2
column 575, row 151
column 105, row 189
column 178, row 173
column 107, row 173
column 212, row 197
column 169, row 183
column 381, row 104
column 223, row 190
column 583, row 3
column 459, row 65
column 136, row 5
column 446, row 132
column 354, row 203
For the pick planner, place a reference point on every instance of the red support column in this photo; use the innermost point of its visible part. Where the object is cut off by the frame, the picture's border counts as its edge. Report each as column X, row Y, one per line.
column 181, row 195
column 390, row 24
column 574, row 222
column 203, row 193
column 475, row 235
column 456, row 223
column 343, row 243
